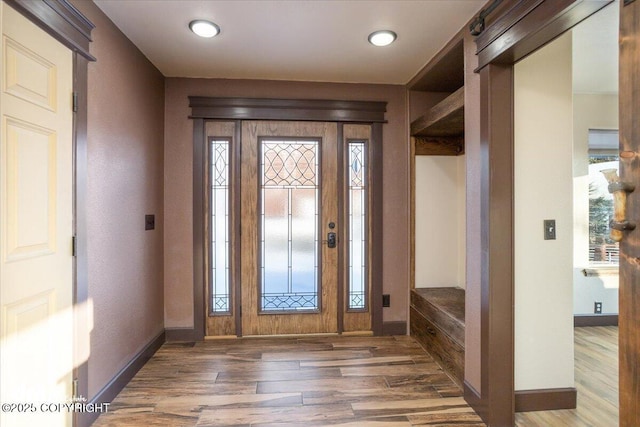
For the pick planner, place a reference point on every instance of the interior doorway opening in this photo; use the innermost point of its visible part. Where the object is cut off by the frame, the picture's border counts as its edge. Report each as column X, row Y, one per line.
column 566, row 121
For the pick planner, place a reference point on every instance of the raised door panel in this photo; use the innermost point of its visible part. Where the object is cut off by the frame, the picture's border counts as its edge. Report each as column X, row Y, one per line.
column 31, row 189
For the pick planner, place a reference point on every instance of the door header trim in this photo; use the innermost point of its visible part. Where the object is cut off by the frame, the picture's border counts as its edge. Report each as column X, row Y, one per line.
column 529, row 25
column 61, row 20
column 203, row 107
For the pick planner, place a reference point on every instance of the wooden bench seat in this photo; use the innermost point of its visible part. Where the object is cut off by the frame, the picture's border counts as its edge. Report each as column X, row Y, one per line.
column 437, row 323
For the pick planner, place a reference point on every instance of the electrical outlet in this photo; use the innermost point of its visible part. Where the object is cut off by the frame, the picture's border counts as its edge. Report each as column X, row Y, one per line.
column 597, row 307
column 386, row 300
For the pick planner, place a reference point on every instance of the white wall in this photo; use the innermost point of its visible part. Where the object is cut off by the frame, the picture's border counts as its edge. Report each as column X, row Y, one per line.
column 590, row 111
column 543, row 190
column 440, row 221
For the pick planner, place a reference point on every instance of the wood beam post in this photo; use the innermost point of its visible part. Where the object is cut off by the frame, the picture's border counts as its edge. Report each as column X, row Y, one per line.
column 629, row 300
column 496, row 146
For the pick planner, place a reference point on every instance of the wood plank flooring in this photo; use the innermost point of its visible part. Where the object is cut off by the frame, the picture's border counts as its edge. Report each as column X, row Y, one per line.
column 596, row 378
column 314, row 381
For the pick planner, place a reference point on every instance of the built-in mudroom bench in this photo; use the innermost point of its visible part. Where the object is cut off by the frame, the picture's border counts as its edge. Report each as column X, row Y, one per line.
column 437, row 323
column 438, row 206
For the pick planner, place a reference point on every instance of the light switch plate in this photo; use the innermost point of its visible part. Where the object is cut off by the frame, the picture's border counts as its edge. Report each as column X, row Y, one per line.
column 386, row 300
column 549, row 229
column 149, row 222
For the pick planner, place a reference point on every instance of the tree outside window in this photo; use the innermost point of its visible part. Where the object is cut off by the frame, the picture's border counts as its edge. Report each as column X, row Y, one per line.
column 602, row 249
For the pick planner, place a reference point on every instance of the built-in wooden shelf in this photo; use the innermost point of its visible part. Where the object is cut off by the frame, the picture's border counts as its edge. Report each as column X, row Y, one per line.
column 446, row 118
column 444, row 146
column 440, row 130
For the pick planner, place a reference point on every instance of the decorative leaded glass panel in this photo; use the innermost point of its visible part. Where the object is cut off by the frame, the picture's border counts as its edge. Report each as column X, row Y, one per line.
column 289, row 185
column 219, row 226
column 357, row 200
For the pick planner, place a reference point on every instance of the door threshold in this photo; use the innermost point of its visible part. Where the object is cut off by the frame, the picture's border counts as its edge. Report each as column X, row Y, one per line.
column 220, row 337
column 319, row 334
column 358, row 334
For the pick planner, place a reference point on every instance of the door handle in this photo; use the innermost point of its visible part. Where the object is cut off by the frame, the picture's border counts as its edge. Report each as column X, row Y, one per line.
column 619, row 189
column 331, row 239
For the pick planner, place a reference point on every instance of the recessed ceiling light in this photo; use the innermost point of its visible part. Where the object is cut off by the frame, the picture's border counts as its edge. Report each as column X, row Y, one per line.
column 204, row 28
column 382, row 38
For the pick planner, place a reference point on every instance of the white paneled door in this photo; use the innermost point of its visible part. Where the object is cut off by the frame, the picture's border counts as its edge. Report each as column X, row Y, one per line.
column 36, row 225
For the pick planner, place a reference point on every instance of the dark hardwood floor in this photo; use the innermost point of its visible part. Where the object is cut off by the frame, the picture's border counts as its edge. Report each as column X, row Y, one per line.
column 311, row 381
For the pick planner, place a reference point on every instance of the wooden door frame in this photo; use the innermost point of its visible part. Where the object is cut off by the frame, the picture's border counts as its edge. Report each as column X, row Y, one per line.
column 516, row 29
column 65, row 23
column 629, row 293
column 204, row 109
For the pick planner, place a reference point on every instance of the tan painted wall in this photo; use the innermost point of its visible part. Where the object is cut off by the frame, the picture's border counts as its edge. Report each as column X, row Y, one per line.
column 178, row 181
column 125, row 182
column 543, row 176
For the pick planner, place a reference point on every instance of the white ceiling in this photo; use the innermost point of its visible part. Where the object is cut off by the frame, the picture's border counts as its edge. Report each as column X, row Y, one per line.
column 307, row 40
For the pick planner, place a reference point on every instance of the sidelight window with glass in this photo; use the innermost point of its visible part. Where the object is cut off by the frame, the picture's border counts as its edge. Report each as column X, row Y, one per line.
column 357, row 225
column 219, row 248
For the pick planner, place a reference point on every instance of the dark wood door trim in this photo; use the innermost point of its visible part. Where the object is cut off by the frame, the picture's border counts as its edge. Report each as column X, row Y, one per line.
column 236, row 172
column 520, row 28
column 497, row 336
column 529, row 25
column 377, row 243
column 503, row 20
column 81, row 287
column 210, row 108
column 199, row 236
column 61, row 20
column 287, row 109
